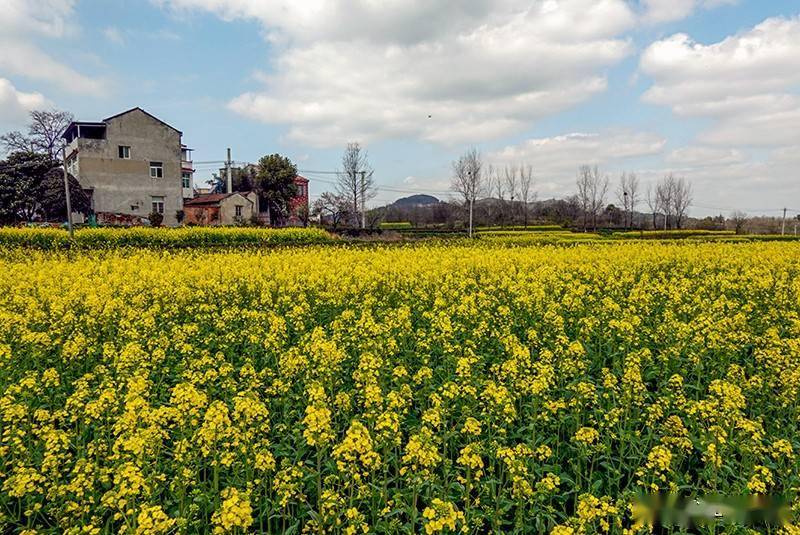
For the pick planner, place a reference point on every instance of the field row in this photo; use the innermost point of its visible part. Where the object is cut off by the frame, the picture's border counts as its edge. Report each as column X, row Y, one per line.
column 393, row 390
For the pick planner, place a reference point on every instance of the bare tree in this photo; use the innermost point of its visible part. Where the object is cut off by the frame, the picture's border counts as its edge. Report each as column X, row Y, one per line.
column 512, row 187
column 664, row 191
column 468, row 180
column 44, row 134
column 628, row 195
column 335, row 208
column 682, row 198
column 355, row 181
column 739, row 220
column 584, row 194
column 527, row 194
column 592, row 192
column 498, row 186
column 599, row 193
column 653, row 202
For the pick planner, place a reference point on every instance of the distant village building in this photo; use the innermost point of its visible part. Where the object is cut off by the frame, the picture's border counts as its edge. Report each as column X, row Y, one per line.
column 221, row 209
column 133, row 164
column 298, row 206
column 130, row 165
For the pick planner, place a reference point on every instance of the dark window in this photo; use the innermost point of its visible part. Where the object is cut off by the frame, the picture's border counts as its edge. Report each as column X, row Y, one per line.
column 158, row 205
column 124, row 152
column 156, row 170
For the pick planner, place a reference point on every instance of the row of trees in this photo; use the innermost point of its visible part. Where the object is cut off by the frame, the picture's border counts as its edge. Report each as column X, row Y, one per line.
column 511, row 192
column 511, row 187
column 668, row 199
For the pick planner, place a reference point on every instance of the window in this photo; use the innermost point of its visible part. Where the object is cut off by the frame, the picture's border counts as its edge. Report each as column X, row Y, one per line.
column 302, row 190
column 239, row 208
column 134, row 208
column 72, row 165
column 186, row 180
column 156, row 170
column 158, row 205
column 124, row 152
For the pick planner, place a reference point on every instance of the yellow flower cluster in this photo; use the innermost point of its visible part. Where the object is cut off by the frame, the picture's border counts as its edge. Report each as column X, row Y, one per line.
column 440, row 516
column 234, row 513
column 433, row 387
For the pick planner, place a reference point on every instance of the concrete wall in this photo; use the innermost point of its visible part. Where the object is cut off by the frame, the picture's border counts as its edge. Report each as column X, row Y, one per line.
column 121, row 184
column 228, row 205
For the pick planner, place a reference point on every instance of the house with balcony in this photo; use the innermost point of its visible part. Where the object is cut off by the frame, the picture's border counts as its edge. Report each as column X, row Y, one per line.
column 187, row 173
column 130, row 164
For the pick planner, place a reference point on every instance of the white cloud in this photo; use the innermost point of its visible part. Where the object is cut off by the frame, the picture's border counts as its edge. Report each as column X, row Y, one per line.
column 15, row 104
column 113, row 34
column 555, row 160
column 701, row 156
column 660, row 11
column 23, row 59
column 42, row 17
column 728, row 180
column 481, row 69
column 21, row 24
column 746, row 83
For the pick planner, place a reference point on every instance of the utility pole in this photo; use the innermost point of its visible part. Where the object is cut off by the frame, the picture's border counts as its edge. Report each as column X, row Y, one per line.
column 627, row 212
column 228, row 179
column 363, row 194
column 66, row 191
column 471, row 199
column 783, row 222
column 471, row 189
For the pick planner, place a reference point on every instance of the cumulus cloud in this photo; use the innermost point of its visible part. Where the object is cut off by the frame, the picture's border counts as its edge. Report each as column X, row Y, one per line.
column 660, row 11
column 22, row 22
column 480, row 69
column 41, row 17
column 15, row 104
column 745, row 83
column 24, row 59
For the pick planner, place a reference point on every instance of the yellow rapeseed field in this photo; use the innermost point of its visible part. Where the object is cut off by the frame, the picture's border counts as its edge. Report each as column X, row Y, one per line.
column 407, row 389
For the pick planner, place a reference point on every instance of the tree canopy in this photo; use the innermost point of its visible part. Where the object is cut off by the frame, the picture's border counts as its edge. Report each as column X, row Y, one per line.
column 273, row 181
column 32, row 187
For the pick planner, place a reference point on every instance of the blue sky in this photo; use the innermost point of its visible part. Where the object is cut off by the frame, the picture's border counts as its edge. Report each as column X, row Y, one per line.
column 707, row 89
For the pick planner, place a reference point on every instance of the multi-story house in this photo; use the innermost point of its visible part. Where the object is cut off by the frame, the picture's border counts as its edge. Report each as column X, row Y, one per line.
column 299, row 205
column 187, row 173
column 130, row 165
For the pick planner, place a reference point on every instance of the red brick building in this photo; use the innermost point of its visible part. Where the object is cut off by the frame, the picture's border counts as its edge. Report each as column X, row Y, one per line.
column 298, row 215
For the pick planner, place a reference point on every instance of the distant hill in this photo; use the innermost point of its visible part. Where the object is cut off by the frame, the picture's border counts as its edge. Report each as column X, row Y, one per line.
column 416, row 200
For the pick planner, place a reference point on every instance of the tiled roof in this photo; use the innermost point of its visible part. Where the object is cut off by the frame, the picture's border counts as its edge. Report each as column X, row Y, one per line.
column 208, row 198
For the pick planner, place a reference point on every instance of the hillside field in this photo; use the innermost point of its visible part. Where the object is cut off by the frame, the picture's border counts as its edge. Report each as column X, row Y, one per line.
column 424, row 388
